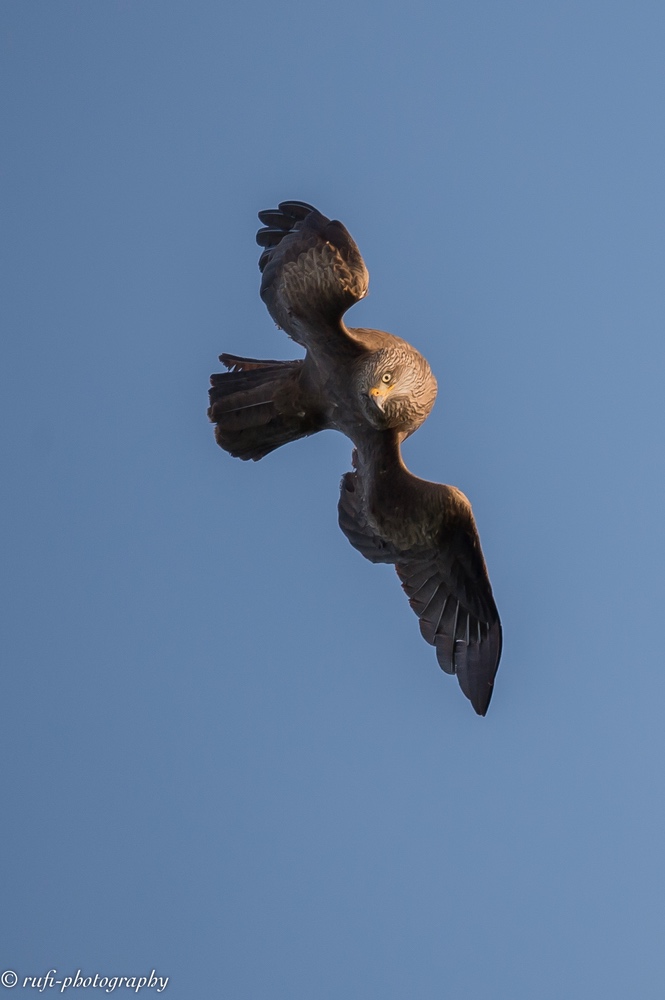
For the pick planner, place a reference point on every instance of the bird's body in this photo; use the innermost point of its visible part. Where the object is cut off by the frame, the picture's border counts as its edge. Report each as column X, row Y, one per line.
column 377, row 390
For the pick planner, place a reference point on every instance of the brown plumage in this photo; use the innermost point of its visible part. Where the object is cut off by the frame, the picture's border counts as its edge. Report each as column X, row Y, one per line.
column 376, row 389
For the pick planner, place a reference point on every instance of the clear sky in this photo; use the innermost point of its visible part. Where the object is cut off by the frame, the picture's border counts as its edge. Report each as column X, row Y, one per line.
column 227, row 753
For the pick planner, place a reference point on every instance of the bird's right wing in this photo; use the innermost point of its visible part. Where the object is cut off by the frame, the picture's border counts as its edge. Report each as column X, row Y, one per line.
column 458, row 616
column 312, row 273
column 446, row 583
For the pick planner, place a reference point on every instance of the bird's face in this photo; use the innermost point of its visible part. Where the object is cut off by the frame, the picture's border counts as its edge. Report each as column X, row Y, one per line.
column 396, row 389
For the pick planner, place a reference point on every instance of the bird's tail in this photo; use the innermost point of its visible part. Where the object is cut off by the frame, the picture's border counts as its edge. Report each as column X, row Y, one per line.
column 257, row 406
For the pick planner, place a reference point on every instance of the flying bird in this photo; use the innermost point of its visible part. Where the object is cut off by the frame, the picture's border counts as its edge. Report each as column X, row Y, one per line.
column 377, row 390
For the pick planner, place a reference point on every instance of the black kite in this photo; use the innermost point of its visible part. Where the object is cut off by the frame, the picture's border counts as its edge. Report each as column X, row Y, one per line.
column 376, row 389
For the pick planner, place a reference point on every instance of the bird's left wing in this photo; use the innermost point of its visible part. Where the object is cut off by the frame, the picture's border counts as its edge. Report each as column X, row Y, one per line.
column 312, row 273
column 447, row 586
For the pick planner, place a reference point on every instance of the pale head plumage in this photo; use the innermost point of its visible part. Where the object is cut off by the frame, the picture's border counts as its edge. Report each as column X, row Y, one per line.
column 396, row 388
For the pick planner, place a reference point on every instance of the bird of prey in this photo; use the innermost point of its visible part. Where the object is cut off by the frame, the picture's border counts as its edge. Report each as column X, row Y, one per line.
column 376, row 389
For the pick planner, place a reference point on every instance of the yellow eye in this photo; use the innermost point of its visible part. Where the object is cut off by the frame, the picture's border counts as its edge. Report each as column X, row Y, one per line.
column 387, row 377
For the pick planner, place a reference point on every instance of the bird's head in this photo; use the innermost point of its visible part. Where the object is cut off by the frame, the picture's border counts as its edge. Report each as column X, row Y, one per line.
column 396, row 388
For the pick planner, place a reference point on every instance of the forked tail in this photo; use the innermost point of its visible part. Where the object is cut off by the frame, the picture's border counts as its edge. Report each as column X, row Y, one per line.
column 258, row 406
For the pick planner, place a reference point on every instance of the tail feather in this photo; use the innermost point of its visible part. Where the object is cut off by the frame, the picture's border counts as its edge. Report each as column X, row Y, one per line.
column 258, row 406
column 237, row 364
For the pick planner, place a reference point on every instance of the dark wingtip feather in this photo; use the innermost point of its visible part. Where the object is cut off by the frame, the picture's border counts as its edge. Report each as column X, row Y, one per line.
column 286, row 214
column 275, row 219
column 279, row 222
column 472, row 675
column 269, row 237
column 297, row 209
column 263, row 260
column 476, row 664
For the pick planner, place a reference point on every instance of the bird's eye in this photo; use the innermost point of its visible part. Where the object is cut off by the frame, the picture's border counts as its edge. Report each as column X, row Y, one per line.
column 386, row 377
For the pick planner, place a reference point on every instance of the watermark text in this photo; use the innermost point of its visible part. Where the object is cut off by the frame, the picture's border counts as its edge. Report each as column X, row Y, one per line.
column 108, row 984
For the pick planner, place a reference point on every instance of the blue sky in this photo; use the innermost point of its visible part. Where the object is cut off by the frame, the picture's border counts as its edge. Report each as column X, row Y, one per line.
column 227, row 753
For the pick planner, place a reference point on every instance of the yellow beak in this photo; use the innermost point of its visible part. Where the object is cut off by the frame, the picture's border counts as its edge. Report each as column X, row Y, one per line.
column 379, row 394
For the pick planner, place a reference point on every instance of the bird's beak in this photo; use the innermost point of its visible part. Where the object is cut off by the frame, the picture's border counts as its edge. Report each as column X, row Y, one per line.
column 379, row 394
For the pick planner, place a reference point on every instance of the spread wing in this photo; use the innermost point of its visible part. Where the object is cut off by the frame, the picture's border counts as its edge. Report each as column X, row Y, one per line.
column 447, row 586
column 312, row 273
